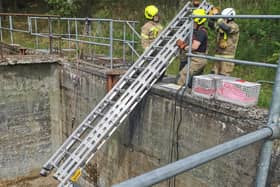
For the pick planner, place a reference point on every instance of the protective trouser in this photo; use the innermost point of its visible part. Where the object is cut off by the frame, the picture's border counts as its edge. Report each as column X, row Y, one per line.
column 196, row 68
column 222, row 67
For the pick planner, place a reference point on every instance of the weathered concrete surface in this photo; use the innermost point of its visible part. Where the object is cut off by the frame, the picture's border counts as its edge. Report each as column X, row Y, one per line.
column 82, row 87
column 41, row 104
column 145, row 141
column 30, row 125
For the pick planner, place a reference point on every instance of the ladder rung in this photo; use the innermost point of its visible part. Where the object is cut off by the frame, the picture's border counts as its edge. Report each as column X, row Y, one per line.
column 67, row 152
column 120, row 90
column 149, row 57
column 110, row 102
column 78, row 147
column 99, row 113
column 167, row 38
column 129, row 79
column 157, row 47
column 184, row 19
column 139, row 68
column 87, row 125
column 77, row 138
column 175, row 28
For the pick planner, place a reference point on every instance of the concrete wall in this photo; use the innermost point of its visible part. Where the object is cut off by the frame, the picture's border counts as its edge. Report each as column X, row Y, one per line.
column 145, row 141
column 81, row 89
column 41, row 104
column 30, row 125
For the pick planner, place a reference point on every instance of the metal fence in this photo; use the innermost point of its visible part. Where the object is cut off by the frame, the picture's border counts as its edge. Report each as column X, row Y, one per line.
column 116, row 39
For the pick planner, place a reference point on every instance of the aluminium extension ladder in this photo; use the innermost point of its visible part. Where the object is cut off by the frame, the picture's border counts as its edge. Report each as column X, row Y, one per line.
column 111, row 111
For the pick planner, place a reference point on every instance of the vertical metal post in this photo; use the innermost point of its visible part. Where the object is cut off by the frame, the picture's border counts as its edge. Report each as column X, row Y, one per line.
column 59, row 37
column 76, row 35
column 1, row 34
column 91, row 39
column 36, row 33
column 124, row 41
column 189, row 58
column 11, row 29
column 111, row 43
column 133, row 42
column 50, row 34
column 69, row 33
column 29, row 24
column 266, row 151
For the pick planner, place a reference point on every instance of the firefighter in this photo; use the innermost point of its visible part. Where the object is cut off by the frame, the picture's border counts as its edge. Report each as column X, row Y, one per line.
column 227, row 41
column 152, row 27
column 199, row 46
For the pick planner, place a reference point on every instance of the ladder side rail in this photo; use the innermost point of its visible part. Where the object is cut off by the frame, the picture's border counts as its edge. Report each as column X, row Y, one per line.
column 123, row 83
column 60, row 153
column 151, row 70
column 69, row 142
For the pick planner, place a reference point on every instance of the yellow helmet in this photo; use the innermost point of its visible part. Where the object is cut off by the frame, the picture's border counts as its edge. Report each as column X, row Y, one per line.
column 151, row 11
column 199, row 12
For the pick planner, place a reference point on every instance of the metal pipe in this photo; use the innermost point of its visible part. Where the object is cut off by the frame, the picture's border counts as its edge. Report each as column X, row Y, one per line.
column 29, row 23
column 189, row 58
column 132, row 48
column 1, row 33
column 86, row 42
column 266, row 151
column 76, row 33
column 261, row 64
column 36, row 31
column 133, row 30
column 133, row 42
column 14, row 30
column 69, row 33
column 50, row 35
column 11, row 29
column 241, row 16
column 97, row 37
column 195, row 160
column 95, row 19
column 111, row 44
column 124, row 42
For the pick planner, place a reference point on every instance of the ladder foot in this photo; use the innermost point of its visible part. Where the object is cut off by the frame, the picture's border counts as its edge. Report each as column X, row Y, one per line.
column 44, row 172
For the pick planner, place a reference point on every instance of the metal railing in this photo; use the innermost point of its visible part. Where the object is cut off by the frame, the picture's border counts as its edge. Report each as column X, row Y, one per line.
column 268, row 133
column 115, row 38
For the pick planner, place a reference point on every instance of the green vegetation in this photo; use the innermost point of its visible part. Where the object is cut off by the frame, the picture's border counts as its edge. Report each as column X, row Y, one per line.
column 259, row 39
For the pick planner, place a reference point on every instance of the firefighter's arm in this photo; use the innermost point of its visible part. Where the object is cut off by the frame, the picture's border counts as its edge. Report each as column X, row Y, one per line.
column 222, row 25
column 195, row 44
column 182, row 45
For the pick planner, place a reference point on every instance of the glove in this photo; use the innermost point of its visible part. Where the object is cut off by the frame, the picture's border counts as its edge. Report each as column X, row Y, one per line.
column 220, row 21
column 181, row 44
column 222, row 43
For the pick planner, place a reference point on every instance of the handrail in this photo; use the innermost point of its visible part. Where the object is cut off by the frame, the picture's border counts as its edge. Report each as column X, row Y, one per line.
column 35, row 27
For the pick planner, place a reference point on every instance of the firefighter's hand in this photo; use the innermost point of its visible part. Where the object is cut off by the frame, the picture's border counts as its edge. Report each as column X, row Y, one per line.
column 220, row 21
column 181, row 44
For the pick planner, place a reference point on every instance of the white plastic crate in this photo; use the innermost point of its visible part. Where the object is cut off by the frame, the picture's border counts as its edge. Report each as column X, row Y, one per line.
column 205, row 85
column 239, row 92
